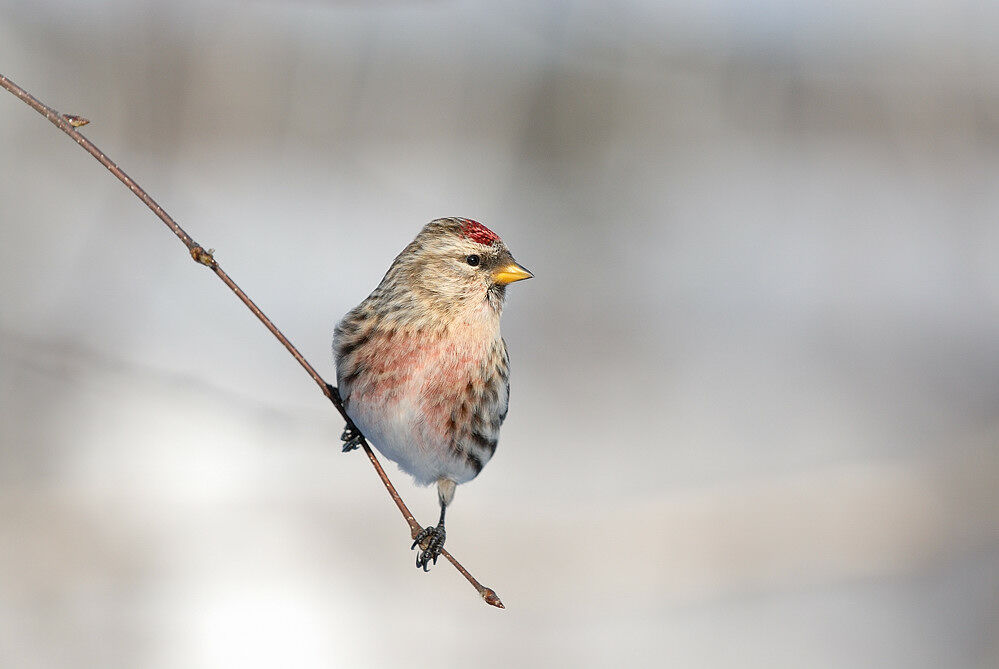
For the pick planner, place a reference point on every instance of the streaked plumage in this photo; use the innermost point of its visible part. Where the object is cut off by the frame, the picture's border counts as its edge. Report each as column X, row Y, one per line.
column 421, row 367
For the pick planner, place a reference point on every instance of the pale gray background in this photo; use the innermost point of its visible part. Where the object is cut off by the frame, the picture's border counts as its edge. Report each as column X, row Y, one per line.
column 755, row 405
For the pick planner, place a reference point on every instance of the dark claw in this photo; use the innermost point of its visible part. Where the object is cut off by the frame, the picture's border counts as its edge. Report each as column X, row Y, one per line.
column 351, row 438
column 434, row 536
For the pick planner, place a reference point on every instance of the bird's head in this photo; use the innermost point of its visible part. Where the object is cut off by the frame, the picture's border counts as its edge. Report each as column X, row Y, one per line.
column 456, row 264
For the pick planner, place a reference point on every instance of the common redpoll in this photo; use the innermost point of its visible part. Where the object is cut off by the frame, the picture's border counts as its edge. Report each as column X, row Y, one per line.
column 421, row 367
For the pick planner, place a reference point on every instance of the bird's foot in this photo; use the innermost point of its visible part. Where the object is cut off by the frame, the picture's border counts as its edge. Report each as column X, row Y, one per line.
column 351, row 438
column 431, row 543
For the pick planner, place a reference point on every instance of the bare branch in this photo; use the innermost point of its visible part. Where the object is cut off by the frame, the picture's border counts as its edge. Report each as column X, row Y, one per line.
column 68, row 124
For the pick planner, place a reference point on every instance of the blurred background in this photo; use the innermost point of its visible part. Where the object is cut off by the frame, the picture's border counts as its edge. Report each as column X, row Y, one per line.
column 755, row 405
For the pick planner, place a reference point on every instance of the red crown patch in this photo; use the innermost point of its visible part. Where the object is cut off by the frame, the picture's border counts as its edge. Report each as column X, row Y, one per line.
column 477, row 232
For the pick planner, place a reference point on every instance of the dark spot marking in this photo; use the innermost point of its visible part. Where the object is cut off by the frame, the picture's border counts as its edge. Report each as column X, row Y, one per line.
column 484, row 442
column 349, row 347
column 474, row 461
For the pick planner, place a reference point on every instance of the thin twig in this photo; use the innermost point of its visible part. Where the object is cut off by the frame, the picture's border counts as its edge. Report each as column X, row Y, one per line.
column 68, row 124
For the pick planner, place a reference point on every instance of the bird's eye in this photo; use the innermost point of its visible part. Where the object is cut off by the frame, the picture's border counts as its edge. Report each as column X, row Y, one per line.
column 473, row 260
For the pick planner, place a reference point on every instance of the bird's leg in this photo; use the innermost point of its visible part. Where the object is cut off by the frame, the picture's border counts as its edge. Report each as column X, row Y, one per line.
column 351, row 436
column 431, row 539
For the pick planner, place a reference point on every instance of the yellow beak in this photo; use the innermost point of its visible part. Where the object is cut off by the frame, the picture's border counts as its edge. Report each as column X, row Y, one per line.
column 510, row 273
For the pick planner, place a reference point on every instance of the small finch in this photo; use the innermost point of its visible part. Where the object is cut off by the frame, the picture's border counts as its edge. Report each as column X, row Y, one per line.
column 421, row 367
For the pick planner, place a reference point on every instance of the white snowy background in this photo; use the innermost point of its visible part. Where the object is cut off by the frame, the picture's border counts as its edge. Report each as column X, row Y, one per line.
column 755, row 405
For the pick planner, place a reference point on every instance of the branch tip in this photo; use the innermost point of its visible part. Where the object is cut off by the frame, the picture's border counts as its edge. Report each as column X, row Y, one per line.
column 492, row 599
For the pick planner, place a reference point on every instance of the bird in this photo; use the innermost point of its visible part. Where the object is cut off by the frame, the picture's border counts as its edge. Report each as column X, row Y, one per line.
column 422, row 369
